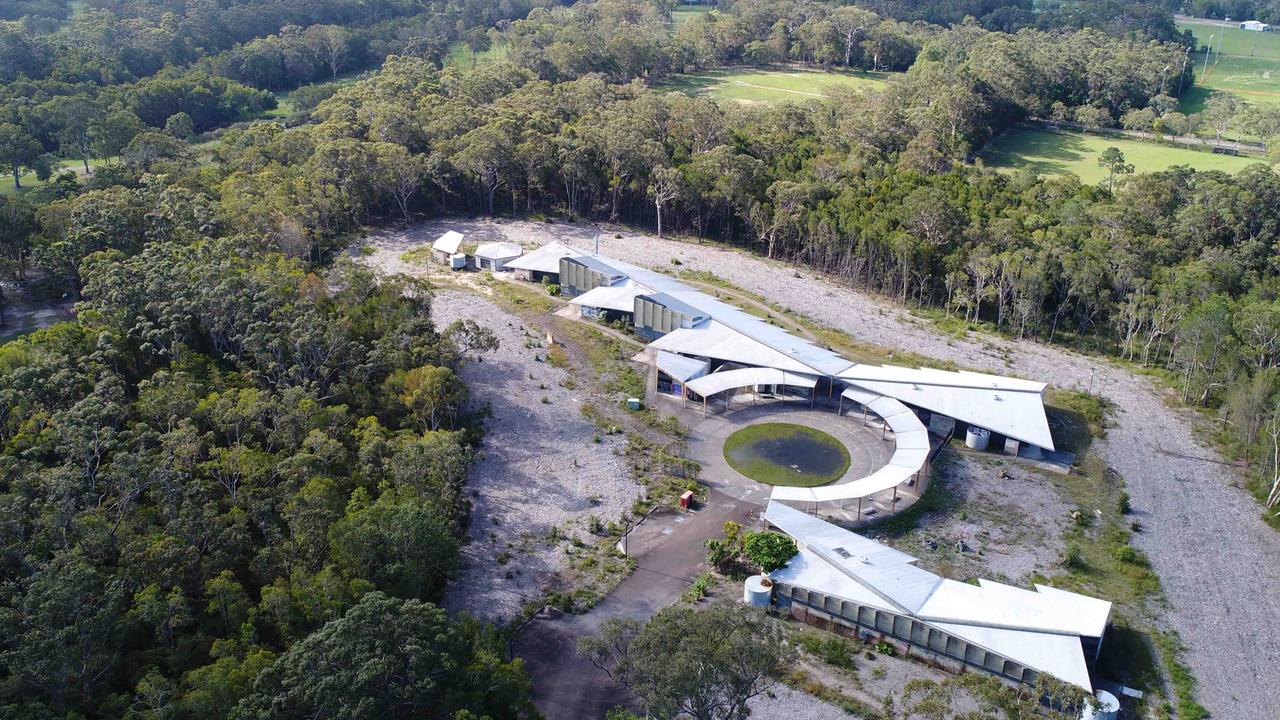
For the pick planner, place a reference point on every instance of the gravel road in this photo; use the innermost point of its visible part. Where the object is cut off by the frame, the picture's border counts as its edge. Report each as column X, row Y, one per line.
column 539, row 467
column 1219, row 563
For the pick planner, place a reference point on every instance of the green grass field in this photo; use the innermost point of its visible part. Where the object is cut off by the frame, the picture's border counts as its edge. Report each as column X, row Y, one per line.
column 1053, row 153
column 771, row 85
column 29, row 180
column 684, row 13
column 1243, row 43
column 460, row 57
column 786, row 454
column 1249, row 66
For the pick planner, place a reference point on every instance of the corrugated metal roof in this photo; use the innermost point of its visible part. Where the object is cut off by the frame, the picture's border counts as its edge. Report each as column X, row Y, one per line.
column 448, row 242
column 1040, row 628
column 499, row 251
column 611, row 297
column 676, row 305
column 600, row 264
column 718, row 382
column 545, row 259
column 716, row 340
column 680, row 367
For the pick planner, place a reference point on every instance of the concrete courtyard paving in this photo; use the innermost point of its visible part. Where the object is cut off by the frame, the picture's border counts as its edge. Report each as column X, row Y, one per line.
column 869, row 450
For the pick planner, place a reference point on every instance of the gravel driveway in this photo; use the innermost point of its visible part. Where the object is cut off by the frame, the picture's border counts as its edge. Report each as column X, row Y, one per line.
column 1219, row 563
column 539, row 467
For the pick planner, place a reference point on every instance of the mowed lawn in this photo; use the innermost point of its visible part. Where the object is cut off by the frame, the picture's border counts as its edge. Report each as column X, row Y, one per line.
column 684, row 13
column 771, row 85
column 460, row 55
column 1249, row 65
column 1054, row 153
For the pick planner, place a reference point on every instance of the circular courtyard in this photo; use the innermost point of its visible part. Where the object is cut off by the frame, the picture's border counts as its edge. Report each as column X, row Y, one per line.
column 779, row 453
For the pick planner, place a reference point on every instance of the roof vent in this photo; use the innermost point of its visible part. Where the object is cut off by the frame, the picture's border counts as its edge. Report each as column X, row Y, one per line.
column 842, row 552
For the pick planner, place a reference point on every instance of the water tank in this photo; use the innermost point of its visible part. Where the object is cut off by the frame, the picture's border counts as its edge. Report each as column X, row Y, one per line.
column 757, row 591
column 457, row 261
column 977, row 438
column 1106, row 707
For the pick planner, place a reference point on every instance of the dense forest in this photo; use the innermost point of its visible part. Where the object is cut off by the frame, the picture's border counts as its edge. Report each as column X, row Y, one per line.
column 240, row 469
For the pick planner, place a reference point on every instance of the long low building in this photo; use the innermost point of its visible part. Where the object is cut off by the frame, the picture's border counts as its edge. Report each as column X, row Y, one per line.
column 679, row 320
column 874, row 591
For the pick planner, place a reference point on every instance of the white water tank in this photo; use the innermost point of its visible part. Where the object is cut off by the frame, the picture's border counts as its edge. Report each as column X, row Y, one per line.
column 457, row 261
column 977, row 438
column 757, row 591
column 1106, row 707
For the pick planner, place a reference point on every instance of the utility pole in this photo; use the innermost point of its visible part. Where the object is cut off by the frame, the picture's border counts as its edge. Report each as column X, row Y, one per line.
column 1182, row 75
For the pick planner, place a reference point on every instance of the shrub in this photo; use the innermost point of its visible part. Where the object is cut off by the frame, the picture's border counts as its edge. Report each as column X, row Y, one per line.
column 769, row 550
column 1125, row 507
column 884, row 648
column 1072, row 556
column 1128, row 554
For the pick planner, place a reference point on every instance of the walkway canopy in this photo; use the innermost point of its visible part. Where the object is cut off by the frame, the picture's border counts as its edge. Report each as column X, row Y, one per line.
column 910, row 453
column 718, row 382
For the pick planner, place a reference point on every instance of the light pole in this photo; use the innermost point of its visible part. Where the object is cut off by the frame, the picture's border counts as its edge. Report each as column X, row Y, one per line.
column 1182, row 75
column 1207, row 52
column 1223, row 41
column 1164, row 77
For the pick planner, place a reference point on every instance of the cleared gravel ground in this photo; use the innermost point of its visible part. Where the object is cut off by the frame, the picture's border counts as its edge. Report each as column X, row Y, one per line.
column 998, row 528
column 1219, row 563
column 539, row 467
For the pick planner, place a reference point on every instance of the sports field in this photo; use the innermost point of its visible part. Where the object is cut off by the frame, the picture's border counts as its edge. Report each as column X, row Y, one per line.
column 1249, row 64
column 684, row 13
column 1054, row 153
column 771, row 85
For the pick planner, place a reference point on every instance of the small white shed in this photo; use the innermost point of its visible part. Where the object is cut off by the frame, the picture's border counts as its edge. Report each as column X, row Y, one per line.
column 446, row 246
column 496, row 255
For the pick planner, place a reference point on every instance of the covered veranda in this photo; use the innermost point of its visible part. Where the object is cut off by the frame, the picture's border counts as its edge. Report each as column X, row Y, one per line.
column 752, row 378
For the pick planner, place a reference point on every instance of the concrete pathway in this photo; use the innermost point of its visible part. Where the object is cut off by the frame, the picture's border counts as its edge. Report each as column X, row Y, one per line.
column 567, row 686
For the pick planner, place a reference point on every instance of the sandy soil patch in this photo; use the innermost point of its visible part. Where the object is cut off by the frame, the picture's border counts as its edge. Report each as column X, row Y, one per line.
column 1006, row 522
column 540, row 466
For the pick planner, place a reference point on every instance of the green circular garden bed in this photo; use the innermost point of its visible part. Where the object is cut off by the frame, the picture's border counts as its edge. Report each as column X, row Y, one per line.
column 786, row 454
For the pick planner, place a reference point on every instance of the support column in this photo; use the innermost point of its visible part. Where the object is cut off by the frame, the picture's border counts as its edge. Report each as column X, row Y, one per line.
column 704, row 406
column 884, row 429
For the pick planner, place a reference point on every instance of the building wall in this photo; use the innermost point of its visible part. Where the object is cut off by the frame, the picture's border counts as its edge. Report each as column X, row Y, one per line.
column 919, row 639
column 576, row 279
column 653, row 320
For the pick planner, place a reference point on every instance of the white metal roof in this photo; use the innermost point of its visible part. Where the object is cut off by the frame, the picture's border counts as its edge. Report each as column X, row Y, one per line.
column 1009, row 406
column 1041, row 628
column 911, row 451
column 448, row 242
column 714, row 339
column 499, row 251
column 718, row 382
column 620, row 297
column 545, row 259
column 680, row 367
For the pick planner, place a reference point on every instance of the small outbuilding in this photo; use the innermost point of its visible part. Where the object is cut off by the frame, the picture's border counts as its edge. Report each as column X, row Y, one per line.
column 495, row 255
column 446, row 246
column 543, row 264
column 1255, row 26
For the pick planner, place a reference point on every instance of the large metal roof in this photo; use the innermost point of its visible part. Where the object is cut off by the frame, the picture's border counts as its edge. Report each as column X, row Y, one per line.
column 680, row 367
column 1009, row 406
column 545, row 259
column 621, row 297
column 1041, row 628
column 718, row 382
